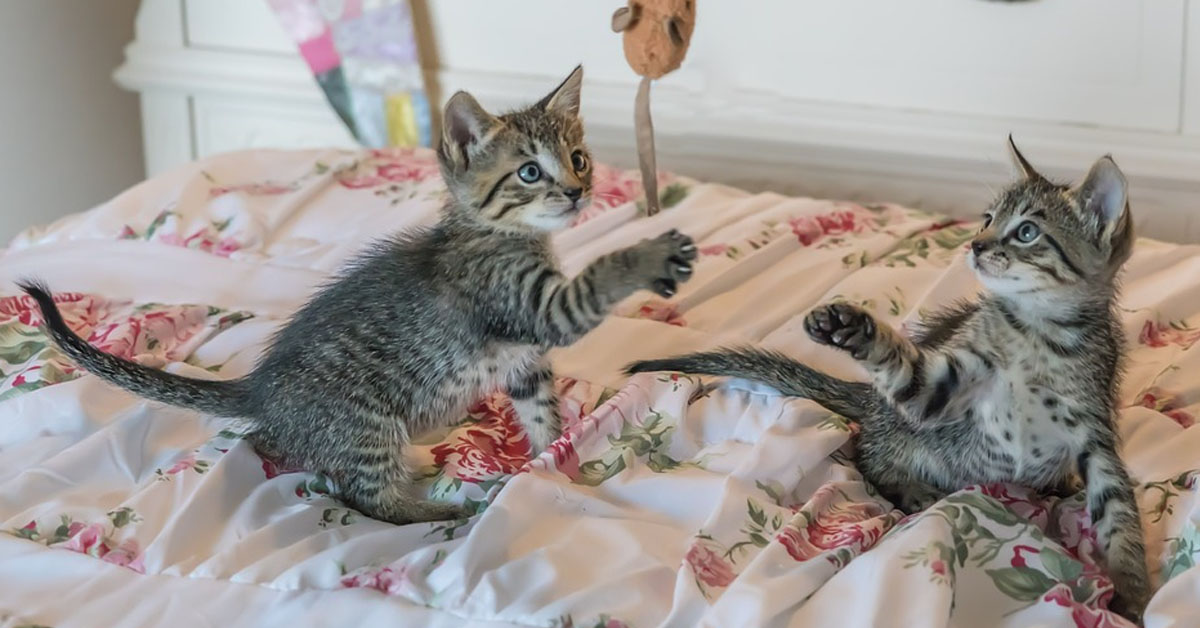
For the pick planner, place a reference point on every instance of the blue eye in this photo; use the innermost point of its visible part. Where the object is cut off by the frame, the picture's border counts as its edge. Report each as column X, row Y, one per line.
column 529, row 172
column 1028, row 232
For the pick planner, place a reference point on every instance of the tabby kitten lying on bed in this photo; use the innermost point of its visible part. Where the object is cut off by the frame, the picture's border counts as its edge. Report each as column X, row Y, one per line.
column 432, row 320
column 1020, row 386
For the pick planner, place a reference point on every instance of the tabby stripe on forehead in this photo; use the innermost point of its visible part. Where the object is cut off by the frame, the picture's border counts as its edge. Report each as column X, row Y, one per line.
column 1063, row 254
column 495, row 188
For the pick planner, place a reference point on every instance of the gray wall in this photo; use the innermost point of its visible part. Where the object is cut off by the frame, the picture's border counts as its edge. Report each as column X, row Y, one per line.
column 69, row 138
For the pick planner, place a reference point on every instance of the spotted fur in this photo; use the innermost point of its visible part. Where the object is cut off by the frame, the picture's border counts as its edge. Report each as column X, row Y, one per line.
column 1019, row 386
column 431, row 320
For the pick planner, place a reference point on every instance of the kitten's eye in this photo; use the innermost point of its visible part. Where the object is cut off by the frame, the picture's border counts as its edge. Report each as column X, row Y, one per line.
column 987, row 220
column 578, row 161
column 1028, row 232
column 529, row 172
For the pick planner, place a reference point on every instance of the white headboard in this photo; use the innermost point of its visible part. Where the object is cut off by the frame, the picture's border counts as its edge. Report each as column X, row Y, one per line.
column 860, row 99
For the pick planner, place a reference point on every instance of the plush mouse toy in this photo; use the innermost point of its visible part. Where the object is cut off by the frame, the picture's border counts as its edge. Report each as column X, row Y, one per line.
column 657, row 34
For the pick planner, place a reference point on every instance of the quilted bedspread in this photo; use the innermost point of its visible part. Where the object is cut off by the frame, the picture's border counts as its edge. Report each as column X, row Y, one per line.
column 669, row 501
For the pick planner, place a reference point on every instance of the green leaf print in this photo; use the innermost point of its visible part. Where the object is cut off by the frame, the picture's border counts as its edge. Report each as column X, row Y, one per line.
column 158, row 222
column 596, row 472
column 1181, row 551
column 123, row 516
column 756, row 513
column 316, row 486
column 337, row 516
column 21, row 351
column 22, row 388
column 1021, row 583
column 650, row 440
column 1168, row 490
column 672, row 195
column 773, row 489
column 1060, row 565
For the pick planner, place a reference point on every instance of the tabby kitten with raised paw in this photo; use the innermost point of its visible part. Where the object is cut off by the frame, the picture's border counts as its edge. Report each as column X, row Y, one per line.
column 1018, row 386
column 430, row 321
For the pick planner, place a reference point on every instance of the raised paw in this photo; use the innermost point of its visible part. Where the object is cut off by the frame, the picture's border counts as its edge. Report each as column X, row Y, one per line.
column 665, row 262
column 846, row 327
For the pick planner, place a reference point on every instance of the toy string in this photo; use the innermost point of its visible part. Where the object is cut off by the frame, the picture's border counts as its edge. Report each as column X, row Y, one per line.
column 644, row 130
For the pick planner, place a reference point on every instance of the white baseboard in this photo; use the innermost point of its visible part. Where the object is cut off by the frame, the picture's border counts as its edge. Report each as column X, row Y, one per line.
column 757, row 141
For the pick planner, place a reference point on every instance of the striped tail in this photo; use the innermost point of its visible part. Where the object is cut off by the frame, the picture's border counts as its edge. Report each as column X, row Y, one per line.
column 853, row 400
column 221, row 398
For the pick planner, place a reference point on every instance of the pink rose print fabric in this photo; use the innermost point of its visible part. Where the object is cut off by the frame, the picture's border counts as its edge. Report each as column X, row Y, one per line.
column 669, row 500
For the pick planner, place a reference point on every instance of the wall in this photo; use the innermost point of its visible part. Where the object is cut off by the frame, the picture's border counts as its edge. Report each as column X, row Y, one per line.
column 866, row 100
column 69, row 137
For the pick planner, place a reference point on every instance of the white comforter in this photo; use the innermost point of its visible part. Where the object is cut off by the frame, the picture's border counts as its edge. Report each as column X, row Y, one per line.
column 667, row 503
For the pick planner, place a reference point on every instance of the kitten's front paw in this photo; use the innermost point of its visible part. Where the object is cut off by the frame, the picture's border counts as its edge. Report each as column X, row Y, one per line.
column 846, row 327
column 665, row 261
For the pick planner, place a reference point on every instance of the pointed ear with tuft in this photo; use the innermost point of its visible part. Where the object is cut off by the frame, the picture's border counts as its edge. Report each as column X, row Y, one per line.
column 466, row 128
column 1104, row 194
column 565, row 98
column 1022, row 164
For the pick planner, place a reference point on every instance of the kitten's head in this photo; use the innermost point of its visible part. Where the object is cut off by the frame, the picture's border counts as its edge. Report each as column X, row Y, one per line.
column 528, row 169
column 1043, row 237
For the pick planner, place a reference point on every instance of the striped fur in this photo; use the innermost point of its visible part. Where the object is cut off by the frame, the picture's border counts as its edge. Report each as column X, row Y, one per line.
column 1018, row 386
column 429, row 321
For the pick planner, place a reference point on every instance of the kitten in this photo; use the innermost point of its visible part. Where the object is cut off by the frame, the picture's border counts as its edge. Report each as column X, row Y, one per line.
column 431, row 320
column 1019, row 386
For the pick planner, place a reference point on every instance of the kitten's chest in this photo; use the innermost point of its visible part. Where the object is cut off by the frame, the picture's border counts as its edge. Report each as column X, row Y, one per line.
column 1025, row 414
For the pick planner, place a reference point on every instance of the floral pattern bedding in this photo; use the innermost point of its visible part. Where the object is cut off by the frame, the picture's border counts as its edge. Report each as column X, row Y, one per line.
column 669, row 501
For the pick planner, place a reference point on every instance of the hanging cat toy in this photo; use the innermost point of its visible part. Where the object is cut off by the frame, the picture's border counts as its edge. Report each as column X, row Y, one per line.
column 656, row 34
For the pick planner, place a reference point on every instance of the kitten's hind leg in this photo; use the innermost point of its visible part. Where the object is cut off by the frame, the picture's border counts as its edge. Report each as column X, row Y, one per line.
column 378, row 483
column 1114, row 512
column 536, row 403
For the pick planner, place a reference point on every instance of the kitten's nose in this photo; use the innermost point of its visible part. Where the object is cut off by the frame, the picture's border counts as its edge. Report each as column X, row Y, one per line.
column 979, row 246
column 573, row 193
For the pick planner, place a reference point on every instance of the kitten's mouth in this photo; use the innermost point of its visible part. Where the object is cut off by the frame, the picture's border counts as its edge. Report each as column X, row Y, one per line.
column 983, row 267
column 574, row 207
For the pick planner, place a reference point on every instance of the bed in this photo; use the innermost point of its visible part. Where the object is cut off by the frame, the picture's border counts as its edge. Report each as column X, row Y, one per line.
column 669, row 501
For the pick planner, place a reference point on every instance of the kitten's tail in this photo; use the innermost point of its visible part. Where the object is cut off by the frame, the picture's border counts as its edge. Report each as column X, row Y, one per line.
column 852, row 400
column 221, row 398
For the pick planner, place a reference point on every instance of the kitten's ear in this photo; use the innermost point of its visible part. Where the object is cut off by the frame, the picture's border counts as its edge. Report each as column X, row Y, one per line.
column 466, row 127
column 1022, row 164
column 1104, row 194
column 565, row 98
